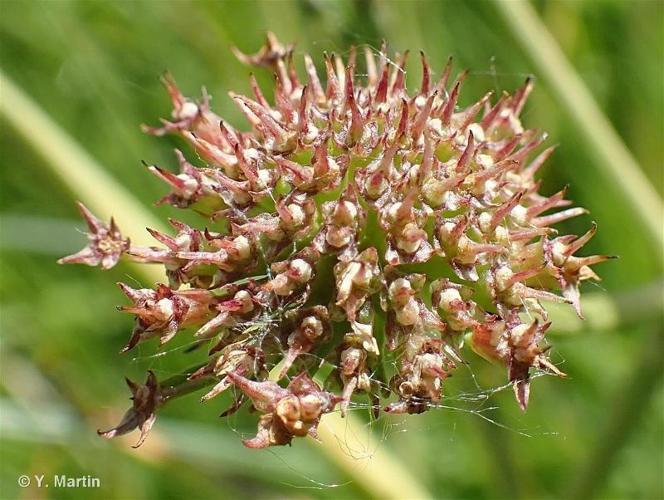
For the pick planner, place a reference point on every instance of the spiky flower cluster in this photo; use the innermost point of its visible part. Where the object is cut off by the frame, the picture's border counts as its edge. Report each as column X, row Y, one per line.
column 353, row 223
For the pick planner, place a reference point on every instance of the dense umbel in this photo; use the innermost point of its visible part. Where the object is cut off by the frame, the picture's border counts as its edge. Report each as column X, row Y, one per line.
column 357, row 224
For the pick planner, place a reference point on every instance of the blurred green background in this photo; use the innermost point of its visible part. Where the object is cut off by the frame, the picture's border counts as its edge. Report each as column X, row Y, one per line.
column 93, row 67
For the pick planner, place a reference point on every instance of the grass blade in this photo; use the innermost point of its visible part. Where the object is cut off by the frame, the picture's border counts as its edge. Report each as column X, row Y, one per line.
column 613, row 157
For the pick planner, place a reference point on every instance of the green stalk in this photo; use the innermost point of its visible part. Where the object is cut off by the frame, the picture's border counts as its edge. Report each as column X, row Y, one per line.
column 613, row 158
column 381, row 473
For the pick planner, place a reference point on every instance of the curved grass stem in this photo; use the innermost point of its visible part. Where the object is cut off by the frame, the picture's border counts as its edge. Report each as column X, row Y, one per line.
column 76, row 169
column 613, row 158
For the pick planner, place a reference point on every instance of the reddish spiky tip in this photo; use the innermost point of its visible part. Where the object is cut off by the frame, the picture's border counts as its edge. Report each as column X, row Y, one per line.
column 105, row 243
column 320, row 217
column 146, row 399
column 290, row 412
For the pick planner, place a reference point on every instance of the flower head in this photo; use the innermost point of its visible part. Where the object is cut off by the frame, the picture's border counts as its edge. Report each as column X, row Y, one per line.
column 352, row 220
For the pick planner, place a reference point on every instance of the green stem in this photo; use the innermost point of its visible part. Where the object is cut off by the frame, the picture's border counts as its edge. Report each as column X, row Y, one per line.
column 613, row 158
column 81, row 173
column 180, row 385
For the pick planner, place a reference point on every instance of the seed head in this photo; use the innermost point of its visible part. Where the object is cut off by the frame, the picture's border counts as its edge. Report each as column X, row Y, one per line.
column 320, row 219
